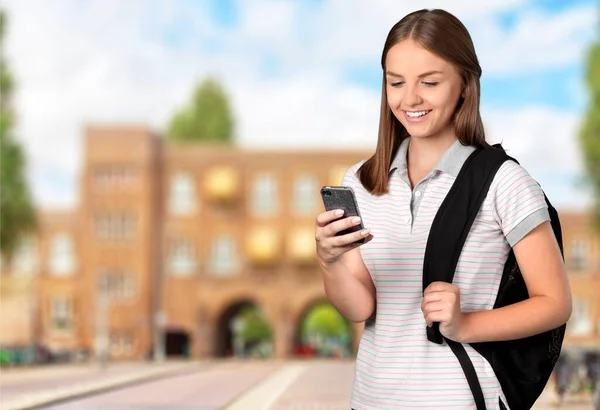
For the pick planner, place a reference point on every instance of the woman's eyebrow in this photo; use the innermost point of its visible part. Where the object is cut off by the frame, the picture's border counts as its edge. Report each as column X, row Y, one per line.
column 392, row 74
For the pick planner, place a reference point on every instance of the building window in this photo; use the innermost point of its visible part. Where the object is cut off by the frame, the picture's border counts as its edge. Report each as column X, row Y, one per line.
column 62, row 255
column 26, row 259
column 121, row 344
column 182, row 194
column 181, row 259
column 306, row 189
column 101, row 226
column 113, row 177
column 61, row 314
column 578, row 255
column 264, row 195
column 223, row 256
column 116, row 284
column 580, row 323
column 128, row 225
column 115, row 344
column 127, row 344
column 115, row 225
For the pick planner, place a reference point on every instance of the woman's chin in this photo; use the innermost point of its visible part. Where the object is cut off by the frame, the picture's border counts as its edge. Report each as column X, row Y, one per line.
column 417, row 130
column 419, row 134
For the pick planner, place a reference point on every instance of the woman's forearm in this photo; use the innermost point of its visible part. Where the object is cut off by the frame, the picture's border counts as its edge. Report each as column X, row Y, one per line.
column 527, row 318
column 346, row 292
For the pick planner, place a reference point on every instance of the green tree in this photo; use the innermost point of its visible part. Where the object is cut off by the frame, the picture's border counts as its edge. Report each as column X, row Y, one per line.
column 207, row 118
column 255, row 326
column 326, row 321
column 17, row 214
column 590, row 132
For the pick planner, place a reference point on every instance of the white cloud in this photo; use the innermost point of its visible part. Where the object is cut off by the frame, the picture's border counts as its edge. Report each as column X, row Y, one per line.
column 545, row 142
column 88, row 63
column 345, row 32
column 538, row 40
column 353, row 32
column 107, row 61
column 271, row 21
column 305, row 113
column 546, row 139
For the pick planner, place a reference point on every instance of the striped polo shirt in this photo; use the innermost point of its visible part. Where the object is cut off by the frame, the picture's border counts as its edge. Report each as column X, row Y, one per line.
column 396, row 366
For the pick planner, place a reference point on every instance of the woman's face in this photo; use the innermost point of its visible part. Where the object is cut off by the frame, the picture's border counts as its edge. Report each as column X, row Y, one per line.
column 422, row 89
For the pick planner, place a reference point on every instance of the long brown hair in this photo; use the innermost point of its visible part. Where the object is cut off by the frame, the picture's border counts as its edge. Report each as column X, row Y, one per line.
column 444, row 35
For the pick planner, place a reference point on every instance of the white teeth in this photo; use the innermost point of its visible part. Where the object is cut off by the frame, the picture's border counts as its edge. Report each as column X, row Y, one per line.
column 416, row 114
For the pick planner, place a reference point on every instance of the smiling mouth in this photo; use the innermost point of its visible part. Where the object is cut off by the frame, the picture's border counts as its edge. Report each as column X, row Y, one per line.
column 415, row 116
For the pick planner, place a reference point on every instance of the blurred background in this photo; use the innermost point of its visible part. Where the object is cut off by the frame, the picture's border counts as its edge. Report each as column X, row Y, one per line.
column 162, row 160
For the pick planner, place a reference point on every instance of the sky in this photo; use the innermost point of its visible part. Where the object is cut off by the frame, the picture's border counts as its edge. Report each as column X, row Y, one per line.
column 299, row 74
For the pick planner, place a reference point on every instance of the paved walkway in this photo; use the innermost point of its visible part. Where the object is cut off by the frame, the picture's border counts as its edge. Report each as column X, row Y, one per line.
column 326, row 386
column 209, row 389
column 214, row 385
column 28, row 388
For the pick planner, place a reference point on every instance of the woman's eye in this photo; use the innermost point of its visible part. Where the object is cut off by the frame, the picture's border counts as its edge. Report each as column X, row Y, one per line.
column 397, row 84
column 430, row 84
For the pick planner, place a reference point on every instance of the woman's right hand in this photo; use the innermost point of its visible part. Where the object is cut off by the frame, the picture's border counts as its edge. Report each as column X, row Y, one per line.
column 347, row 281
column 331, row 247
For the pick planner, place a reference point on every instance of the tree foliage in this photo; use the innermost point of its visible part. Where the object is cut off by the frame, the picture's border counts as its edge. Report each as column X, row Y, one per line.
column 207, row 118
column 255, row 327
column 17, row 215
column 590, row 132
column 326, row 321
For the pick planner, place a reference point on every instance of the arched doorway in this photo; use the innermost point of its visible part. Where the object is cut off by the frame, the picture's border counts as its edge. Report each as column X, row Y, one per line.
column 177, row 343
column 323, row 332
column 242, row 331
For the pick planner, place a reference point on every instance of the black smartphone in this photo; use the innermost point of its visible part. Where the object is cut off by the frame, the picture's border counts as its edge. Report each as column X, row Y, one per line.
column 342, row 197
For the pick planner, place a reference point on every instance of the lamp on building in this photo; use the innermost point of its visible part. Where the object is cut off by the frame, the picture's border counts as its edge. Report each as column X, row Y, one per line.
column 301, row 245
column 221, row 183
column 262, row 245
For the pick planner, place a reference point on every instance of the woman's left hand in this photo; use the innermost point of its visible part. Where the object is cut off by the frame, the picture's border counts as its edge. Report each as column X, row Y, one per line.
column 441, row 303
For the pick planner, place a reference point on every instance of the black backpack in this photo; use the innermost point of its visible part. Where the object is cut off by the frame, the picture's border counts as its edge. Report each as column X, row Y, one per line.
column 522, row 366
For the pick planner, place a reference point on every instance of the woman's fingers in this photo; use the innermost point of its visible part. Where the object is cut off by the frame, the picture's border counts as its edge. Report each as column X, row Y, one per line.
column 330, row 245
column 323, row 219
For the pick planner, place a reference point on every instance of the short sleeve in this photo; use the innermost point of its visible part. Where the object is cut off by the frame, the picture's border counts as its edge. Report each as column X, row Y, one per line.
column 518, row 202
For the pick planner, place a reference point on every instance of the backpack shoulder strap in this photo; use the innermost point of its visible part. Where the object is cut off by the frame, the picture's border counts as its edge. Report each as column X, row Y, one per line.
column 453, row 220
column 457, row 213
column 448, row 234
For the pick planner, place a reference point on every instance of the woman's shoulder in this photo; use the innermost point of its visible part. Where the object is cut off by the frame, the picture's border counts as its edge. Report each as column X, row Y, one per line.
column 509, row 174
column 351, row 175
column 517, row 201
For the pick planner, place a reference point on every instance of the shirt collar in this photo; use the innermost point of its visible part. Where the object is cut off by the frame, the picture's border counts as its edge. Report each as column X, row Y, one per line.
column 450, row 163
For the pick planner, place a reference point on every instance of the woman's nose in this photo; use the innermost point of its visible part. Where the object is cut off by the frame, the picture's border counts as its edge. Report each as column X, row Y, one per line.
column 411, row 95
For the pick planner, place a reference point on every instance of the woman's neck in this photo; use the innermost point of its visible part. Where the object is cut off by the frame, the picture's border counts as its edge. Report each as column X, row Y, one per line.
column 424, row 153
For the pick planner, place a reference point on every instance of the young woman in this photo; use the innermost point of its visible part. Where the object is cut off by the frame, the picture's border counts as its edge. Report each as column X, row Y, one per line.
column 429, row 124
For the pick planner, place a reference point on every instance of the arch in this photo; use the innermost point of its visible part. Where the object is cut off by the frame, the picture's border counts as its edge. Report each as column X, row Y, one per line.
column 338, row 347
column 226, row 343
column 177, row 343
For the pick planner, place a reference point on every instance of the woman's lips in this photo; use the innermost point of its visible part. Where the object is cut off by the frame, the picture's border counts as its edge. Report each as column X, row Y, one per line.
column 419, row 118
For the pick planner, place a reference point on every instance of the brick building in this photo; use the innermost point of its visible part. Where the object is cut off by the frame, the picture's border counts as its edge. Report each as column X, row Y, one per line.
column 179, row 237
